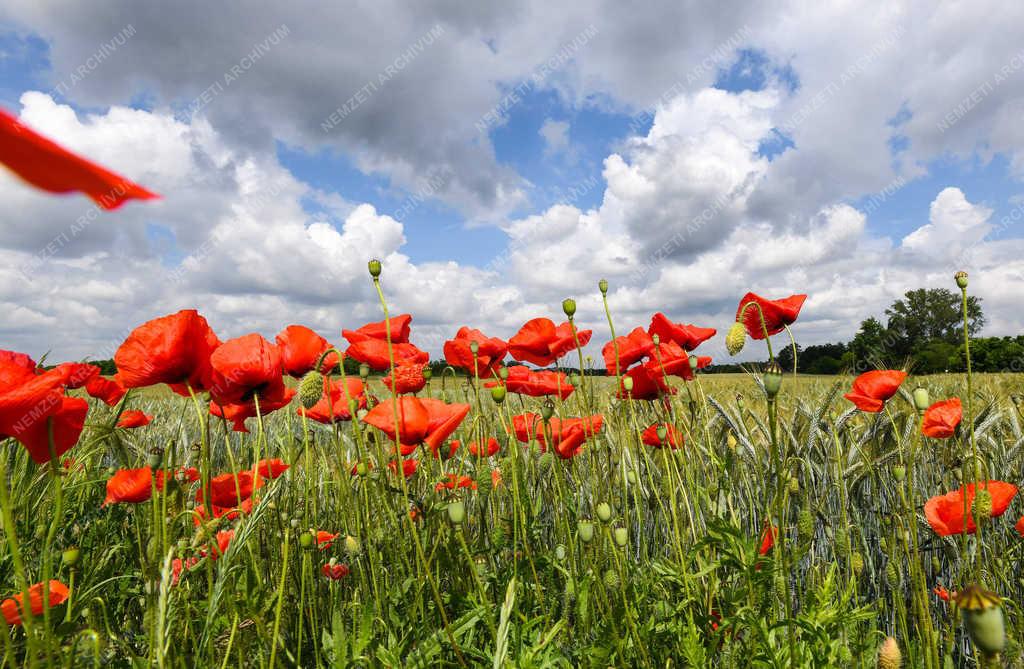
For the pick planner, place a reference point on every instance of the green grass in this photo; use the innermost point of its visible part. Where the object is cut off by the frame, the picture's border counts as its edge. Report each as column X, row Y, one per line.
column 515, row 584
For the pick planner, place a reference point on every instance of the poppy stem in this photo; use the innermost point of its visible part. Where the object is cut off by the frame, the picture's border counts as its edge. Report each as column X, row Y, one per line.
column 10, row 532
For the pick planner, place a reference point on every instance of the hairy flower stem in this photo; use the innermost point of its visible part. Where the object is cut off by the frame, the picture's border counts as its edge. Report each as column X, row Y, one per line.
column 274, row 641
column 55, row 520
column 13, row 547
column 978, row 521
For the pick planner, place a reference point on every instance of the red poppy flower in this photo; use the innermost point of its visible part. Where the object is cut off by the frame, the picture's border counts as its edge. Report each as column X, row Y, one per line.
column 454, row 482
column 12, row 607
column 229, row 512
column 178, row 566
column 940, row 419
column 945, row 513
column 408, row 467
column 872, row 389
column 409, row 377
column 223, row 538
column 645, row 385
column 453, row 446
column 541, row 343
column 271, row 469
column 688, row 337
column 301, row 348
column 490, row 352
column 134, row 418
column 77, row 374
column 777, row 313
column 673, row 436
column 335, row 571
column 107, row 390
column 355, row 468
column 570, row 434
column 525, row 426
column 669, row 360
column 768, row 539
column 29, row 422
column 1019, row 526
column 324, row 539
column 334, row 406
column 237, row 413
column 539, row 383
column 492, row 448
column 245, row 367
column 374, row 352
column 229, row 490
column 50, row 167
column 131, row 486
column 703, row 361
column 399, row 328
column 631, row 348
column 420, row 420
column 172, row 349
column 941, row 593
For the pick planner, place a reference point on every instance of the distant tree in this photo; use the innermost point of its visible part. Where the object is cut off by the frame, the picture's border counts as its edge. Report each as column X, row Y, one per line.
column 869, row 344
column 928, row 314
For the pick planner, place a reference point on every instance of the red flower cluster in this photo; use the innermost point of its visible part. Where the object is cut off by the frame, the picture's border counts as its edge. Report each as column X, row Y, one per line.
column 540, row 342
column 540, row 383
column 490, row 352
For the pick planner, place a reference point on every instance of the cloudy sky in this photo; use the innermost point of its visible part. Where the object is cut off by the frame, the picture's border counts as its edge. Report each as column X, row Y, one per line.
column 500, row 158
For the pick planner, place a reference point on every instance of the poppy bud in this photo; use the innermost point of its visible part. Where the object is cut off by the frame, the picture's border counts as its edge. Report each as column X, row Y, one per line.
column 889, row 655
column 311, row 389
column 364, row 371
column 805, row 526
column 547, row 410
column 772, row 379
column 474, row 347
column 983, row 618
column 921, row 399
column 306, row 540
column 604, row 512
column 427, row 373
column 627, row 383
column 71, row 556
column 559, row 552
column 155, row 456
column 983, row 504
column 457, row 512
column 294, row 522
column 374, row 267
column 898, row 473
column 602, row 285
column 362, row 469
column 857, row 563
column 961, row 279
column 611, row 579
column 621, row 536
column 631, row 477
column 586, row 531
column 498, row 394
column 794, row 485
column 694, row 362
column 656, row 339
column 892, row 574
column 352, row 546
column 735, row 338
column 503, row 373
column 569, row 307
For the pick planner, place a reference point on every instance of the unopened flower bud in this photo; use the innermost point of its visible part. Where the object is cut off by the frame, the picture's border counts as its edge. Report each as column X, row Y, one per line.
column 569, row 307
column 656, row 339
column 306, row 540
column 898, row 473
column 889, row 655
column 586, row 531
column 604, row 512
column 921, row 399
column 694, row 362
column 364, row 371
column 961, row 279
column 474, row 347
column 627, row 383
column 503, row 373
column 602, row 285
column 311, row 389
column 547, row 410
column 662, row 433
column 71, row 556
column 374, row 267
column 498, row 394
column 559, row 552
column 352, row 546
column 736, row 338
column 621, row 536
column 362, row 469
column 983, row 617
column 457, row 512
column 983, row 504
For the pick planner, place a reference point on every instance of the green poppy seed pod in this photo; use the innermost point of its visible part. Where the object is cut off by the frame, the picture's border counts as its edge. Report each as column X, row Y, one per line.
column 498, row 394
column 364, row 371
column 503, row 373
column 631, row 477
column 569, row 307
column 772, row 379
column 983, row 505
column 307, row 540
column 352, row 546
column 621, row 536
column 427, row 373
column 604, row 512
column 586, row 531
column 547, row 410
column 362, row 469
column 71, row 556
column 474, row 347
column 899, row 472
column 156, row 456
column 627, row 384
column 694, row 362
column 374, row 267
column 889, row 655
column 457, row 512
column 602, row 285
column 740, row 402
column 662, row 433
column 311, row 389
column 921, row 399
column 983, row 617
column 961, row 279
column 857, row 563
column 611, row 579
column 656, row 339
column 736, row 338
column 560, row 552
